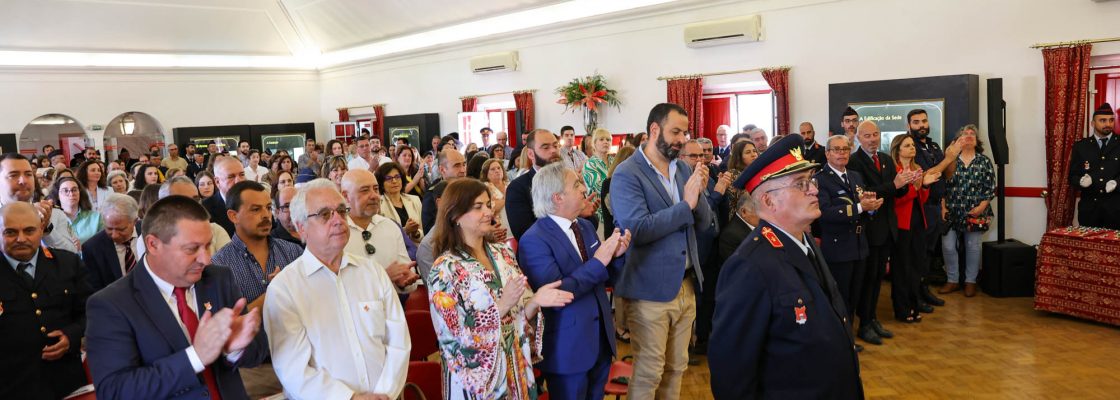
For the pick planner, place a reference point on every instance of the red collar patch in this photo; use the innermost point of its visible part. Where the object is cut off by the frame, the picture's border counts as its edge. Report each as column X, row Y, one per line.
column 47, row 253
column 771, row 237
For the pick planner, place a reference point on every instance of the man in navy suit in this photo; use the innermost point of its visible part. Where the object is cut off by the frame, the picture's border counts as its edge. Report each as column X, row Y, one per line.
column 544, row 149
column 724, row 149
column 227, row 172
column 843, row 203
column 42, row 311
column 880, row 226
column 167, row 329
column 111, row 253
column 659, row 199
column 780, row 325
column 560, row 246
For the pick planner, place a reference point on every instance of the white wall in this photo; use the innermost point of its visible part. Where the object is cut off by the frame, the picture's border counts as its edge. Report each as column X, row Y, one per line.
column 174, row 98
column 824, row 41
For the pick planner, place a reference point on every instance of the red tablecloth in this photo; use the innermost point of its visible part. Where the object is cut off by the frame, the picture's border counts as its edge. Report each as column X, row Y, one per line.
column 1079, row 274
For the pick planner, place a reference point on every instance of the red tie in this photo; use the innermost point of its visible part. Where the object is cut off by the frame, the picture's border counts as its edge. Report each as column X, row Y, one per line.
column 877, row 166
column 190, row 319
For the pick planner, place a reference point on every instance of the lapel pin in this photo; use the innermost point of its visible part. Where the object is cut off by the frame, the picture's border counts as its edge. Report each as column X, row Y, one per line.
column 207, row 306
column 800, row 315
column 366, row 307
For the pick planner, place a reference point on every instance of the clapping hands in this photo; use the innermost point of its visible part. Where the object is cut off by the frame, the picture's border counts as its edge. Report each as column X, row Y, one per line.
column 613, row 246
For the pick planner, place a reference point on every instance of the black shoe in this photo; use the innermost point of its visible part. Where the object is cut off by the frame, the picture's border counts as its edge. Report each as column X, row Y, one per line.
column 859, row 349
column 879, row 329
column 925, row 308
column 869, row 335
column 693, row 360
column 928, row 297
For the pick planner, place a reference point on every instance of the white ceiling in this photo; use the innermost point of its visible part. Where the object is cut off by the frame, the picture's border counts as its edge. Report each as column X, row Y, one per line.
column 44, row 32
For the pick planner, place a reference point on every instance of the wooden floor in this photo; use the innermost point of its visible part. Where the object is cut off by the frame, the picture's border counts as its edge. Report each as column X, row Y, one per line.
column 980, row 348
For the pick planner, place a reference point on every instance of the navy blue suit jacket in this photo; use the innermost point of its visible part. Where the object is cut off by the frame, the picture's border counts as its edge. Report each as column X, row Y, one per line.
column 99, row 253
column 216, row 206
column 841, row 223
column 759, row 349
column 137, row 349
column 573, row 333
column 519, row 204
column 663, row 230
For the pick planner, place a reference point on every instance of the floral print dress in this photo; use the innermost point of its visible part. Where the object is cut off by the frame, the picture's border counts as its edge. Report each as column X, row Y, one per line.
column 971, row 184
column 594, row 173
column 485, row 355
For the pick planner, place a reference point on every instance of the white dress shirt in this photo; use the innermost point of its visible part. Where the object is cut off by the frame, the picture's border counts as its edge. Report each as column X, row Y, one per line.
column 120, row 252
column 333, row 335
column 386, row 237
column 844, row 174
column 256, row 173
column 168, row 291
column 566, row 226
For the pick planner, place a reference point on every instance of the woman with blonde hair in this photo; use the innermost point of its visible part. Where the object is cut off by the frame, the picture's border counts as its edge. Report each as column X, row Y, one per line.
column 595, row 169
column 493, row 174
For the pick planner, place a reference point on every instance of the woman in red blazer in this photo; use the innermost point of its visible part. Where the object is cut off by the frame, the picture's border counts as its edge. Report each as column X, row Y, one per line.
column 911, row 241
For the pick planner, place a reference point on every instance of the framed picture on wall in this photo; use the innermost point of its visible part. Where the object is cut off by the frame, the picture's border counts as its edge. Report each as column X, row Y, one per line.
column 891, row 118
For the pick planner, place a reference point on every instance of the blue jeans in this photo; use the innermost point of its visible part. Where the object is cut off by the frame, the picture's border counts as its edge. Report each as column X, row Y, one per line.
column 952, row 258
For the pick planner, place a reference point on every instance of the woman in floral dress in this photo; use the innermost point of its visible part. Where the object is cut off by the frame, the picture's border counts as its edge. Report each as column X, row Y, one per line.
column 486, row 317
column 595, row 170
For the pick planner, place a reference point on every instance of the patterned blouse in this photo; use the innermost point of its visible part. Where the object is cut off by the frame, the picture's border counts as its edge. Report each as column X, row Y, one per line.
column 485, row 355
column 594, row 173
column 971, row 184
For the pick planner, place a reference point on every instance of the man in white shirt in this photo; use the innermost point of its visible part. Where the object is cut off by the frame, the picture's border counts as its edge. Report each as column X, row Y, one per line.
column 572, row 156
column 374, row 236
column 335, row 325
column 365, row 159
column 18, row 184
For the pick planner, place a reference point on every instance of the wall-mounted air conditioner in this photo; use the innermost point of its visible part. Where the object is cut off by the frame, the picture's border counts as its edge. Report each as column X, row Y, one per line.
column 725, row 31
column 495, row 63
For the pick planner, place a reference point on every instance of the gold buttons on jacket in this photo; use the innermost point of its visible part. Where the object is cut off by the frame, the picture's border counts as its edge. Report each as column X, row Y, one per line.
column 38, row 312
column 800, row 302
column 34, row 295
column 43, row 329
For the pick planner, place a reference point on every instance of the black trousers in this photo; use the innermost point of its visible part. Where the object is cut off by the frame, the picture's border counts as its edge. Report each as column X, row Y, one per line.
column 906, row 278
column 705, row 309
column 875, row 268
column 849, row 279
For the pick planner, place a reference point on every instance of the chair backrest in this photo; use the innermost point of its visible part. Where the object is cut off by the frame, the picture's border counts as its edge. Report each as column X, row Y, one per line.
column 426, row 375
column 423, row 334
column 418, row 300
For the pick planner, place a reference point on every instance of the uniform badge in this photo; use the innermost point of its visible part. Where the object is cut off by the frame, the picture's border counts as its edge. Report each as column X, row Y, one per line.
column 1086, row 165
column 47, row 253
column 207, row 306
column 365, row 307
column 771, row 237
column 800, row 316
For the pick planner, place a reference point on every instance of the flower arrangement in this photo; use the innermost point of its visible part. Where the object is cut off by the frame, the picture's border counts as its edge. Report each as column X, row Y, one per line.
column 588, row 93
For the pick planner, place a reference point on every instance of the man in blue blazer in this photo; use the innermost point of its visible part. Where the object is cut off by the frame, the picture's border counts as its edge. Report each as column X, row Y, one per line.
column 658, row 198
column 544, row 149
column 174, row 327
column 843, row 204
column 579, row 341
column 781, row 328
column 111, row 253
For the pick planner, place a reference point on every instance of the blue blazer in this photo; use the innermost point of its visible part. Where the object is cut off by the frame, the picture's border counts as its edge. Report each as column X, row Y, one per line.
column 663, row 231
column 573, row 333
column 99, row 253
column 841, row 223
column 137, row 349
column 519, row 204
column 763, row 351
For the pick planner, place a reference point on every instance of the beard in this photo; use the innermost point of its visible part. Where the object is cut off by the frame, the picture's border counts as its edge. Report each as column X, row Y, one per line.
column 1105, row 131
column 667, row 150
column 922, row 133
column 541, row 162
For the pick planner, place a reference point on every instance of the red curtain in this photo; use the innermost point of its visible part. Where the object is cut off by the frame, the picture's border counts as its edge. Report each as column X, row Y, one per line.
column 689, row 94
column 525, row 104
column 469, row 103
column 1067, row 85
column 379, row 121
column 343, row 115
column 778, row 79
column 717, row 111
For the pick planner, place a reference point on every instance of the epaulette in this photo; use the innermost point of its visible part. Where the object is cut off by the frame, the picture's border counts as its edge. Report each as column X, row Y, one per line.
column 771, row 237
column 47, row 253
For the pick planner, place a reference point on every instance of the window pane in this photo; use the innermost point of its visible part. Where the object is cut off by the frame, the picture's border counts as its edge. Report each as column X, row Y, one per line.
column 756, row 109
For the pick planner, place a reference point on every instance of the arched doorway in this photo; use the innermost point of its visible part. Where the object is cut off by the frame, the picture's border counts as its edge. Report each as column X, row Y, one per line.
column 59, row 131
column 135, row 131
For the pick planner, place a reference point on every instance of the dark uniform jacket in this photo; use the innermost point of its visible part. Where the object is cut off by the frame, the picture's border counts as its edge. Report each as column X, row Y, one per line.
column 815, row 153
column 56, row 301
column 929, row 155
column 780, row 334
column 882, row 224
column 841, row 223
column 216, row 206
column 1096, row 208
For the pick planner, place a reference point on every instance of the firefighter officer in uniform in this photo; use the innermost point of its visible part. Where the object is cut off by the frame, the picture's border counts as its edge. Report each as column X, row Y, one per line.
column 1093, row 168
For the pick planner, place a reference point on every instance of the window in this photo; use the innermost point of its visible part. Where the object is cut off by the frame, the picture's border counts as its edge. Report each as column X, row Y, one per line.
column 746, row 107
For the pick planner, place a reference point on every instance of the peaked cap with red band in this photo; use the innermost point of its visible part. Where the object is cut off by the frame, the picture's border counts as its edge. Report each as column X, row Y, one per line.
column 780, row 159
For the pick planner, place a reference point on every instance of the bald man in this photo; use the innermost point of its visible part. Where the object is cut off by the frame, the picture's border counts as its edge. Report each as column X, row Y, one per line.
column 227, row 172
column 43, row 312
column 811, row 150
column 374, row 236
column 881, row 227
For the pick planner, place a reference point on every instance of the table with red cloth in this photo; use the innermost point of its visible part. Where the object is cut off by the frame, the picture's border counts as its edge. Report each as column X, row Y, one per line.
column 1079, row 274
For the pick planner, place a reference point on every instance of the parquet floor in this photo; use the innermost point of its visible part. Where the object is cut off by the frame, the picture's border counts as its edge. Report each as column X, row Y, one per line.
column 980, row 348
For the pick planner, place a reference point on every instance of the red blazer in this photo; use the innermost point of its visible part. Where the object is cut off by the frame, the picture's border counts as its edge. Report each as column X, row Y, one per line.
column 904, row 205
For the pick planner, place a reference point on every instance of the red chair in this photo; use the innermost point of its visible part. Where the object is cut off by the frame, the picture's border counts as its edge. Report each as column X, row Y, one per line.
column 618, row 369
column 424, row 340
column 427, row 376
column 417, row 300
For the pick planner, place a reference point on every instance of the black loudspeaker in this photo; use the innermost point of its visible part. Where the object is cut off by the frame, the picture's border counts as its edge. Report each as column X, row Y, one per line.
column 997, row 121
column 1008, row 269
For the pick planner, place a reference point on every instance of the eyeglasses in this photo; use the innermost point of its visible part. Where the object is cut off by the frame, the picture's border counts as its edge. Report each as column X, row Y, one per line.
column 327, row 213
column 841, row 149
column 390, row 178
column 284, row 208
column 803, row 185
column 691, row 156
column 370, row 250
